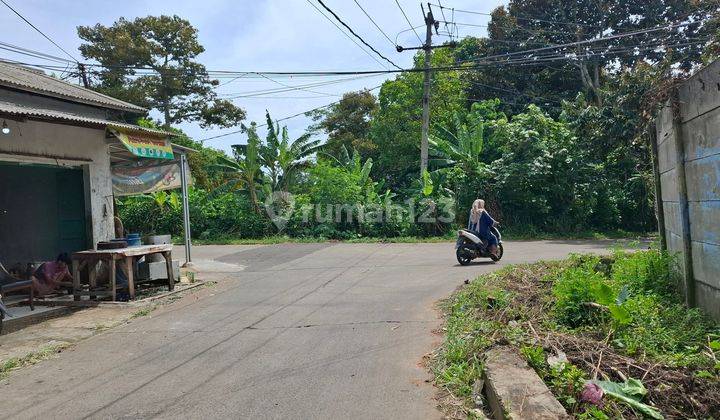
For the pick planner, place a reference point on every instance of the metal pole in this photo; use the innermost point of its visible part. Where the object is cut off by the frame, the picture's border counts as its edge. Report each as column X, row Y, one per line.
column 429, row 22
column 186, row 206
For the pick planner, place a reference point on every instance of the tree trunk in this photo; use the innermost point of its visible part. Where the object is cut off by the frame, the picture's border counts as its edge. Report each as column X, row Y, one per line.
column 593, row 85
column 166, row 112
column 253, row 197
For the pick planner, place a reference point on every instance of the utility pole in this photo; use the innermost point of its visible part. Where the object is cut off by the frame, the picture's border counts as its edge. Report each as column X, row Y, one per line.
column 83, row 75
column 430, row 24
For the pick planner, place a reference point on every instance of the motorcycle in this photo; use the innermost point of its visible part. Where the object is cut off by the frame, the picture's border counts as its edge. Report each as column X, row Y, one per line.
column 469, row 246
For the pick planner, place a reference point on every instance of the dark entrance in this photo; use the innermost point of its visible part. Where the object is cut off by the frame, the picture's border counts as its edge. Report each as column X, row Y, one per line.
column 42, row 212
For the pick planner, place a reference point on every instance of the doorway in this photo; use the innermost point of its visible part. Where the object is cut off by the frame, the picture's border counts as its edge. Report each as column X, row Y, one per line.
column 42, row 212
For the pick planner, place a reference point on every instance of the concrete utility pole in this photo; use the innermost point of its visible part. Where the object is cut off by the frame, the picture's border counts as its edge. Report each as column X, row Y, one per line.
column 429, row 23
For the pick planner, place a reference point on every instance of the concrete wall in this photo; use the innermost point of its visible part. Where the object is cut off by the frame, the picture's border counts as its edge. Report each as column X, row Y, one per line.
column 67, row 146
column 688, row 137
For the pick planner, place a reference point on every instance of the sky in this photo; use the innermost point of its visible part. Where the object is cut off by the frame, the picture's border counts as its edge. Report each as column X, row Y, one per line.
column 254, row 35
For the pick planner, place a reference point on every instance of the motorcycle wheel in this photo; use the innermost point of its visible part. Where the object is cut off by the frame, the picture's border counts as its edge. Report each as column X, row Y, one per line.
column 463, row 256
column 499, row 253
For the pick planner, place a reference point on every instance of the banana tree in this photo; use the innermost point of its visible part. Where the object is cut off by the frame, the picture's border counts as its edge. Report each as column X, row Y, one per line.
column 245, row 170
column 461, row 146
column 285, row 158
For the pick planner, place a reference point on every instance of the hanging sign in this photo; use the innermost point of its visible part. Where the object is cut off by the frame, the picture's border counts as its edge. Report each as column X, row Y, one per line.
column 144, row 145
column 128, row 180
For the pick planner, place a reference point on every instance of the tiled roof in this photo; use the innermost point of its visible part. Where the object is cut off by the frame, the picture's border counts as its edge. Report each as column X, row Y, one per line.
column 51, row 114
column 23, row 78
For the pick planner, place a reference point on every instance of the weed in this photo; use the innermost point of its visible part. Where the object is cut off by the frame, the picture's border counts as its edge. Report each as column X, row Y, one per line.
column 29, row 359
column 143, row 312
column 573, row 289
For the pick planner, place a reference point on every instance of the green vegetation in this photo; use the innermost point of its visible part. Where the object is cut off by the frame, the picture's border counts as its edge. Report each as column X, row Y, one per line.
column 143, row 311
column 613, row 321
column 554, row 147
column 30, row 359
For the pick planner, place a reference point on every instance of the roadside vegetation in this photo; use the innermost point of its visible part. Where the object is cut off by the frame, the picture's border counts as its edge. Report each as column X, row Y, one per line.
column 29, row 359
column 556, row 147
column 608, row 335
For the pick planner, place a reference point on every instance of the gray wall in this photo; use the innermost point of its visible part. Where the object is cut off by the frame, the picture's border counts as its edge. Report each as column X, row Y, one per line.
column 688, row 139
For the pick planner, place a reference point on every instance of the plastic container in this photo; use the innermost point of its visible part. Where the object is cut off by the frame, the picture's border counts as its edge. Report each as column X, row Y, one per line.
column 133, row 239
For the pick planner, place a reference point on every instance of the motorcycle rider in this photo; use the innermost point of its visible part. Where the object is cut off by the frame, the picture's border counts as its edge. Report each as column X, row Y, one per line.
column 480, row 223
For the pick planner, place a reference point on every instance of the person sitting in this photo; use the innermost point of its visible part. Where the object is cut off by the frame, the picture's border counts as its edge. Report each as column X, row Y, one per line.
column 52, row 275
column 481, row 222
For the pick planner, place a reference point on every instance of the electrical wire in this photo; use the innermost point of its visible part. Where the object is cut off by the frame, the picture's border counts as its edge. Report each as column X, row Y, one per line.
column 406, row 30
column 356, row 35
column 32, row 53
column 518, row 18
column 408, row 21
column 593, row 40
column 456, row 66
column 442, row 12
column 289, row 86
column 375, row 23
column 346, row 35
column 285, row 118
column 38, row 30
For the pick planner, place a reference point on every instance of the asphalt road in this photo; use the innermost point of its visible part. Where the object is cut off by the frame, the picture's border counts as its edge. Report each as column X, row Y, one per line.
column 292, row 331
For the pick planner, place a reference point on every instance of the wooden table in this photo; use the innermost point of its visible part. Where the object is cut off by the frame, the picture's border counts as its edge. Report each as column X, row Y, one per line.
column 91, row 257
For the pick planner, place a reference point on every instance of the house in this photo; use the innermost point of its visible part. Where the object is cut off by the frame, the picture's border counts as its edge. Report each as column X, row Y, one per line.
column 60, row 145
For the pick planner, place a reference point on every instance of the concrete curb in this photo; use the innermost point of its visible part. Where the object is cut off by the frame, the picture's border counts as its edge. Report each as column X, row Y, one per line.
column 515, row 391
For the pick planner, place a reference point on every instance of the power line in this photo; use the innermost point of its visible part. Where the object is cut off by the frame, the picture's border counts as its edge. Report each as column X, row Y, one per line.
column 289, row 86
column 519, row 28
column 282, row 119
column 593, row 40
column 346, row 35
column 518, row 17
column 375, row 23
column 408, row 21
column 412, row 28
column 38, row 30
column 483, row 61
column 442, row 11
column 33, row 53
column 356, row 35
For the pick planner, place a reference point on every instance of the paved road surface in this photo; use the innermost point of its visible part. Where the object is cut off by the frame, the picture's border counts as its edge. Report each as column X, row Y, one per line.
column 293, row 331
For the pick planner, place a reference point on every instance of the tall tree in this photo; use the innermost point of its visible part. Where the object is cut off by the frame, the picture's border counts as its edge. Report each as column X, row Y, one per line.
column 524, row 25
column 150, row 61
column 347, row 123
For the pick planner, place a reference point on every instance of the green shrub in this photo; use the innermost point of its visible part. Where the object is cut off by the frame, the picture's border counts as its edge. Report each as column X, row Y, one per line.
column 645, row 272
column 573, row 288
column 663, row 330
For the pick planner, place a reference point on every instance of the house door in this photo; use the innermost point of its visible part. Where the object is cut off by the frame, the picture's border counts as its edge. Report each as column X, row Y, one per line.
column 42, row 212
column 72, row 235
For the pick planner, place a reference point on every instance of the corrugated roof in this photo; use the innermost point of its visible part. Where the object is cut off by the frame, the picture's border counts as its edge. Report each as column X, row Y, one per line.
column 51, row 114
column 31, row 80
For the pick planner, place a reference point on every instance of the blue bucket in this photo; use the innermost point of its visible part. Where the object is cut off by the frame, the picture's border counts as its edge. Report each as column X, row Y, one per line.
column 133, row 239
